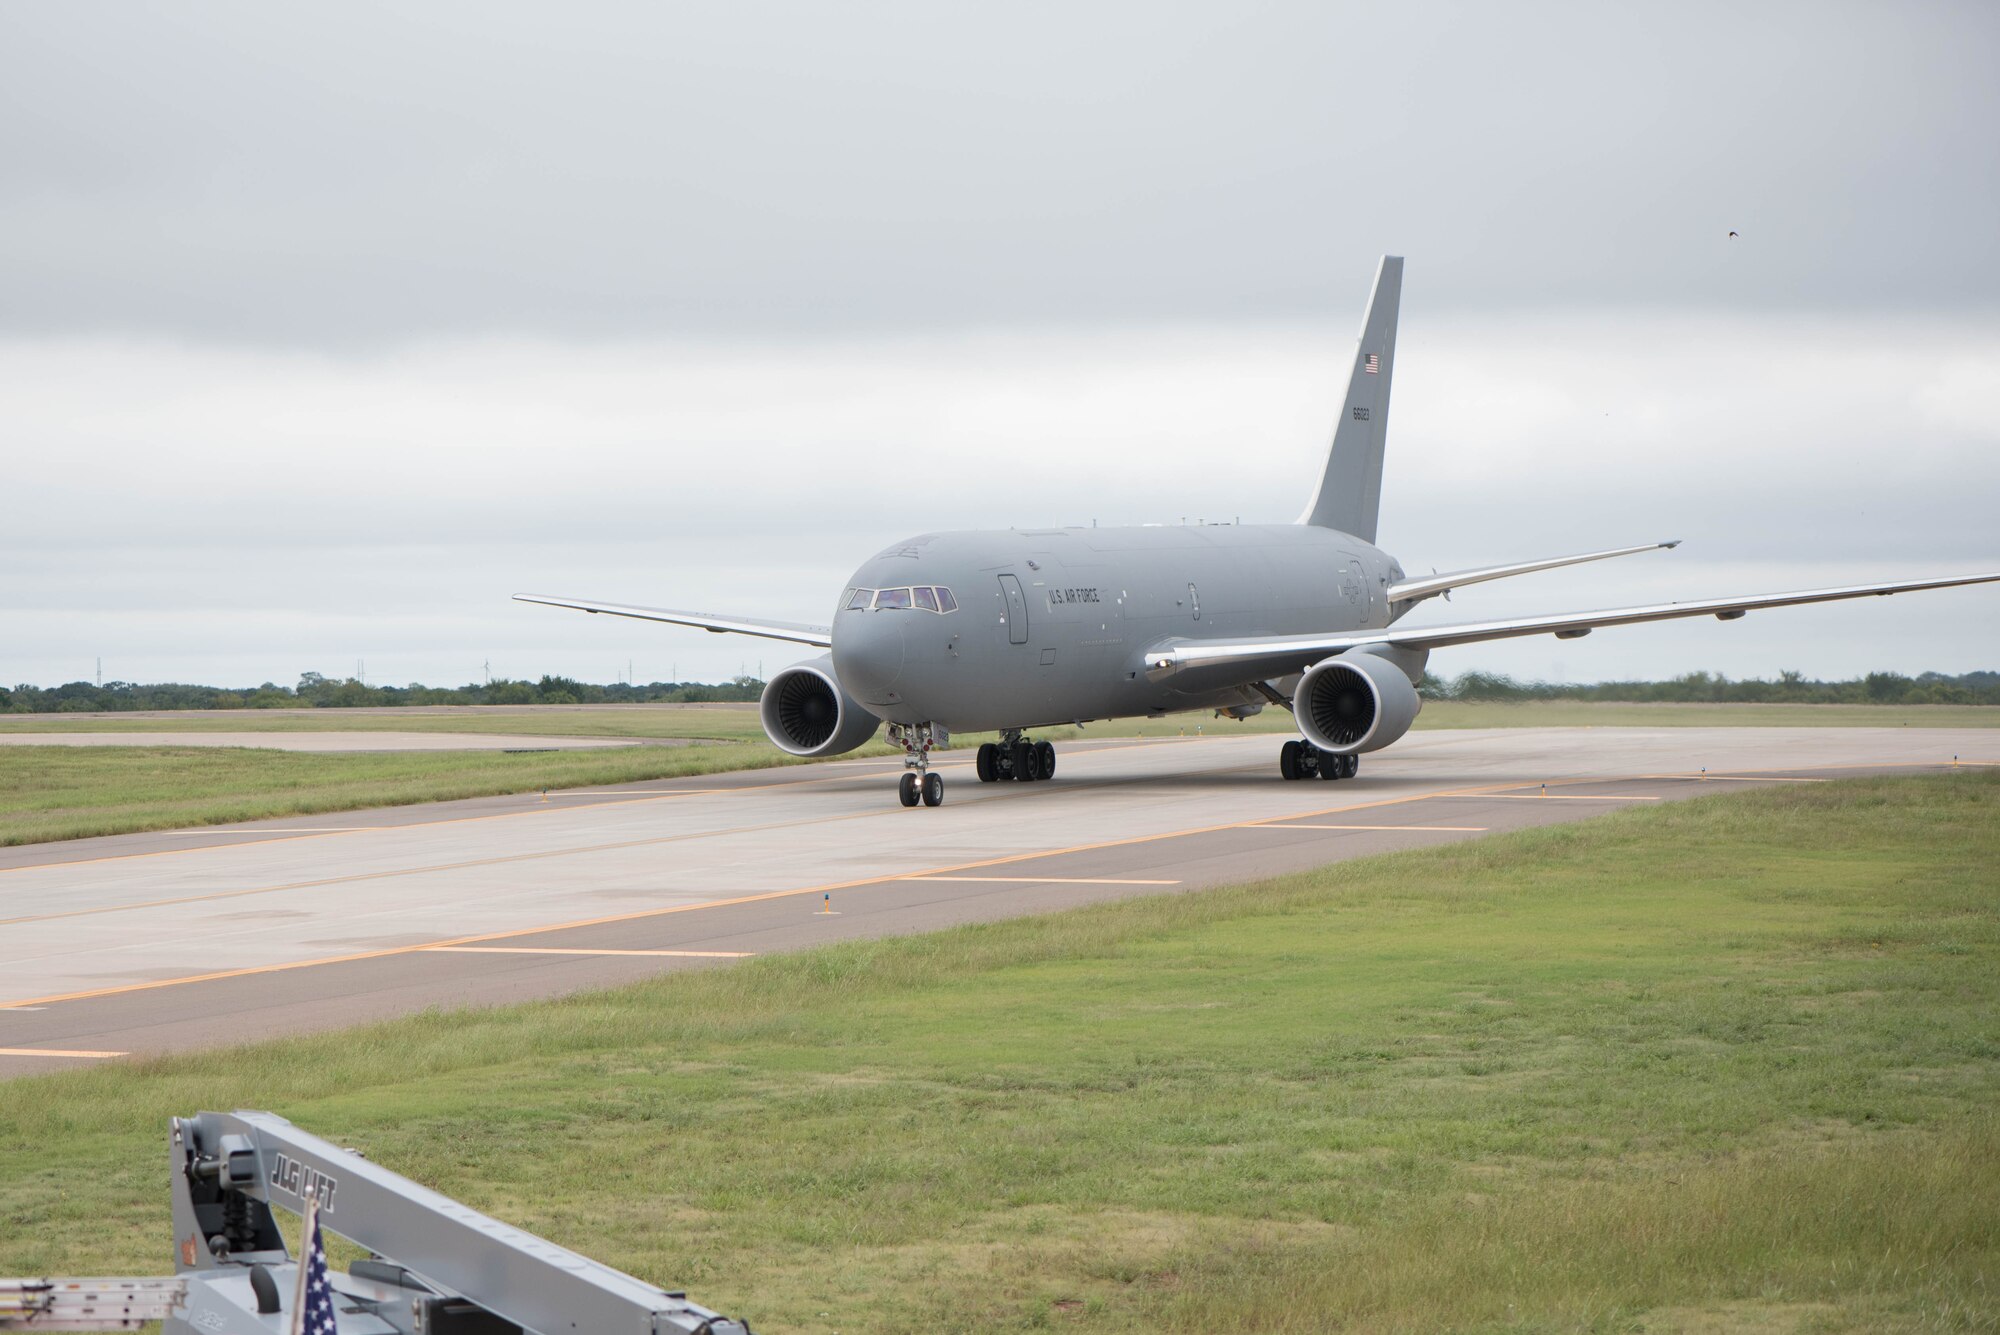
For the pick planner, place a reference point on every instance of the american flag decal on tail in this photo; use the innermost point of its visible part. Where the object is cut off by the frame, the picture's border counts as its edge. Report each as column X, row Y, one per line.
column 1372, row 364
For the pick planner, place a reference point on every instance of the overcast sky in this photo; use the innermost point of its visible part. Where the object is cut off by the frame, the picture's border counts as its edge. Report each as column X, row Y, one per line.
column 325, row 328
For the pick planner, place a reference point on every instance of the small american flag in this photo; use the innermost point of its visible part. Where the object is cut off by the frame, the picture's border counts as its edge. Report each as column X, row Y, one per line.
column 313, row 1313
column 1372, row 364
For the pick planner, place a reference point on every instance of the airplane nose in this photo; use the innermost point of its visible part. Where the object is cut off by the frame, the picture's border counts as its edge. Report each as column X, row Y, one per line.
column 868, row 655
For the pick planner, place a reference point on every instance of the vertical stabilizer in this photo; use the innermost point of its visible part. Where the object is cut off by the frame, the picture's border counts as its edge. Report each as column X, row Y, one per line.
column 1350, row 492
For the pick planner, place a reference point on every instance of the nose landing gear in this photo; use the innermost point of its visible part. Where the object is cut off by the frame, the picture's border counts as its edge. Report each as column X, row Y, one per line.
column 1015, row 757
column 918, row 784
column 1303, row 760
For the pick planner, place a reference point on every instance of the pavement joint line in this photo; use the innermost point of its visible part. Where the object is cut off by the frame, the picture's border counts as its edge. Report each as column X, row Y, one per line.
column 571, row 950
column 198, row 830
column 285, row 966
column 1041, row 880
column 512, row 933
column 1734, row 778
column 1552, row 797
column 1456, row 829
column 57, row 1052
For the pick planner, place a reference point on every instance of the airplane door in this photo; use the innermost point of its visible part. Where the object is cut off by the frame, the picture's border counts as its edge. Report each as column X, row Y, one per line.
column 1367, row 597
column 1016, row 610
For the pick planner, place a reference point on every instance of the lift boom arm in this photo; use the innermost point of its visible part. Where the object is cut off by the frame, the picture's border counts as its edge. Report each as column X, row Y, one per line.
column 438, row 1268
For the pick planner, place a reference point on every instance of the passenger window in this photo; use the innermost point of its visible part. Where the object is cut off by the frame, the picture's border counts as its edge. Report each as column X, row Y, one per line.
column 925, row 598
column 946, row 603
column 860, row 600
column 892, row 598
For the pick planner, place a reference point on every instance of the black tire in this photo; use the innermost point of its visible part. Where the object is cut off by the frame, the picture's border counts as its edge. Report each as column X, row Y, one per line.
column 1045, row 760
column 1288, row 760
column 907, row 788
column 1024, row 761
column 985, row 764
column 1351, row 766
column 933, row 790
column 1332, row 766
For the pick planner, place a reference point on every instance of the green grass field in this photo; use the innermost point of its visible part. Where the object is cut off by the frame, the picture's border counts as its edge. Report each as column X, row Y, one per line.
column 49, row 793
column 1730, row 1064
column 73, row 792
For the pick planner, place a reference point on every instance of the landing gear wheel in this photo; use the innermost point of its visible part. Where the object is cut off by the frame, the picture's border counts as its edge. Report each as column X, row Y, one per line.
column 907, row 788
column 1332, row 766
column 1045, row 760
column 1350, row 766
column 933, row 790
column 986, row 763
column 1024, row 762
column 1288, row 761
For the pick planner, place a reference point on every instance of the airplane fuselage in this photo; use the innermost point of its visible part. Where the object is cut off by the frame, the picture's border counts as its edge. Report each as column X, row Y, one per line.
column 1052, row 625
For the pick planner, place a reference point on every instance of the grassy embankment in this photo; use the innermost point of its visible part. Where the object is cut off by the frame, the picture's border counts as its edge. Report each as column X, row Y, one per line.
column 1727, row 1064
column 67, row 793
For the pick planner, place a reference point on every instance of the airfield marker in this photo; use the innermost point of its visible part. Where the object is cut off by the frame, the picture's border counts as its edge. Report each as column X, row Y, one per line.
column 826, row 905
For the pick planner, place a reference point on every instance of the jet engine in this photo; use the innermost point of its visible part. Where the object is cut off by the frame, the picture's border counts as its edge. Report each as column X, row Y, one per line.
column 1353, row 703
column 805, row 711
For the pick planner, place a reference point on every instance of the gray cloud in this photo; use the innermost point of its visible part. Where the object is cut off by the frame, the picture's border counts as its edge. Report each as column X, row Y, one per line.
column 353, row 175
column 218, row 514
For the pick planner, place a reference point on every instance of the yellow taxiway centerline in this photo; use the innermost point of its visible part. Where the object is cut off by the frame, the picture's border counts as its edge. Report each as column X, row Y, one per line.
column 1263, row 822
column 123, row 989
column 1551, row 797
column 1040, row 880
column 1455, row 829
column 568, row 950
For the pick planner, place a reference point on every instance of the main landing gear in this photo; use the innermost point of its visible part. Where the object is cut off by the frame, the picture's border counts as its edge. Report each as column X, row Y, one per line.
column 1303, row 760
column 1015, row 757
column 918, row 784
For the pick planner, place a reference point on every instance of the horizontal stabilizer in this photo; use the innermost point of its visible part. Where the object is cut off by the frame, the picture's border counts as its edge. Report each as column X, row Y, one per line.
column 798, row 633
column 1412, row 590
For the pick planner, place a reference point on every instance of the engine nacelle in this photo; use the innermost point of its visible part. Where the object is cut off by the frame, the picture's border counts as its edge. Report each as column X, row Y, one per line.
column 1353, row 703
column 805, row 712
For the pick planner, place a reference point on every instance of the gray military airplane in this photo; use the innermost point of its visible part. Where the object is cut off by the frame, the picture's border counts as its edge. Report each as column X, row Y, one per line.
column 1017, row 629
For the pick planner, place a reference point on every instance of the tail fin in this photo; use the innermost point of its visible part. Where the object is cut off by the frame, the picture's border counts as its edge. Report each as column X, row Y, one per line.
column 1350, row 492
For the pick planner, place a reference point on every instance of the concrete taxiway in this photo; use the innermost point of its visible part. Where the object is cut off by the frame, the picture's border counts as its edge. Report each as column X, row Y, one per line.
column 151, row 943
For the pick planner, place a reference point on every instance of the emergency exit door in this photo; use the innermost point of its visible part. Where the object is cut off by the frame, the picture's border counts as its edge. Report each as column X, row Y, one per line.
column 1015, row 609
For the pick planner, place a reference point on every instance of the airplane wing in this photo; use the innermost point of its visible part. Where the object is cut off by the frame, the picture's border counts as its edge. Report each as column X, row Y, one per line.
column 1276, row 656
column 798, row 633
column 1413, row 590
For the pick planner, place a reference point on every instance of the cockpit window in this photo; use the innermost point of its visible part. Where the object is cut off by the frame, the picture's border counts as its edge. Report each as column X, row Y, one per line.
column 922, row 598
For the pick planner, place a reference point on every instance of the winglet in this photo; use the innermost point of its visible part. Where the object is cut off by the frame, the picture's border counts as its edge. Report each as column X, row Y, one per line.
column 1350, row 491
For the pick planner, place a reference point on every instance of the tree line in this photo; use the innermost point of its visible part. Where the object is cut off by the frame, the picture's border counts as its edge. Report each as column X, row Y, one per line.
column 320, row 692
column 1790, row 688
column 315, row 691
